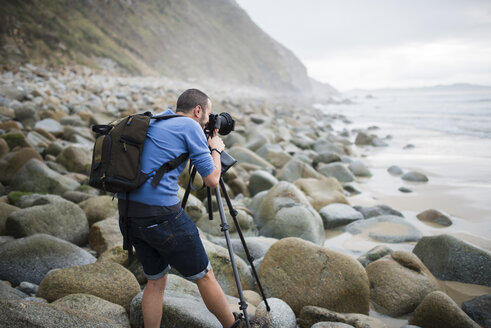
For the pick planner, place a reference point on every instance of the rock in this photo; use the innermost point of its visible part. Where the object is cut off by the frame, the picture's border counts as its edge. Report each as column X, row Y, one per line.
column 25, row 313
column 325, row 146
column 252, row 297
column 374, row 254
column 7, row 292
column 434, row 216
column 6, row 239
column 302, row 273
column 30, row 199
column 35, row 176
column 409, row 146
column 36, row 139
column 15, row 139
column 405, row 190
column 30, row 258
column 5, row 211
column 27, row 114
column 260, row 181
column 99, row 208
column 105, row 235
column 245, row 155
column 335, row 215
column 478, row 310
column 321, row 192
column 28, row 288
column 4, row 147
column 78, row 134
column 395, row 170
column 296, row 169
column 449, row 258
column 118, row 255
column 194, row 207
column 385, row 228
column 238, row 186
column 362, row 139
column 415, row 177
column 377, row 210
column 313, row 316
column 245, row 221
column 15, row 161
column 325, row 158
column 285, row 212
column 11, row 92
column 359, row 169
column 76, row 196
column 280, row 315
column 336, row 170
column 274, row 154
column 96, row 306
column 61, row 219
column 377, row 142
column 257, row 142
column 439, row 310
column 49, row 125
column 399, row 282
column 107, row 280
column 76, row 159
column 257, row 246
column 178, row 311
column 222, row 268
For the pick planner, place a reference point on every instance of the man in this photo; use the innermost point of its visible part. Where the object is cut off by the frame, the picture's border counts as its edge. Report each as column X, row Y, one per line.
column 161, row 232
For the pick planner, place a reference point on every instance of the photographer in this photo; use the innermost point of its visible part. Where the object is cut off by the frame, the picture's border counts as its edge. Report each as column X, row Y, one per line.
column 158, row 228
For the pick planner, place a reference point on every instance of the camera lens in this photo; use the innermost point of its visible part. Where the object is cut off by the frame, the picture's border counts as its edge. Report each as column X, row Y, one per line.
column 225, row 123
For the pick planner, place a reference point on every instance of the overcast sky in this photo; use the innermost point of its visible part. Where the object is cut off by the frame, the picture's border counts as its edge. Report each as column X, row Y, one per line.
column 383, row 43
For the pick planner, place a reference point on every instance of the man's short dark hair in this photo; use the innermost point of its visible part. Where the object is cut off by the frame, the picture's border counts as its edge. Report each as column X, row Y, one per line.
column 190, row 99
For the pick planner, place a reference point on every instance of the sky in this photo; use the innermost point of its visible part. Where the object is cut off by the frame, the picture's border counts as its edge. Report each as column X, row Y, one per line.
column 385, row 43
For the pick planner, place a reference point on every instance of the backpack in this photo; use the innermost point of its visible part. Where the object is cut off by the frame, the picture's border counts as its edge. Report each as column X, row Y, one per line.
column 117, row 152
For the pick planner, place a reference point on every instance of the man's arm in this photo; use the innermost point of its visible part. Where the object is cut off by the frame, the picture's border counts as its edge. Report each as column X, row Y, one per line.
column 212, row 180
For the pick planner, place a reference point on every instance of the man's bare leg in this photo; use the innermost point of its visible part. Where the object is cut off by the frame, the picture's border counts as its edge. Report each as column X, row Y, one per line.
column 215, row 299
column 152, row 300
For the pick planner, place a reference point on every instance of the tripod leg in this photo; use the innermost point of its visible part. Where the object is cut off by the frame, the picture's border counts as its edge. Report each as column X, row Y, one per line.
column 225, row 228
column 233, row 213
column 188, row 187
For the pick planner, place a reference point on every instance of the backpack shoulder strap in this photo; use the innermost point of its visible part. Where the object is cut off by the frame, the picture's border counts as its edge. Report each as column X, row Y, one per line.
column 167, row 167
column 164, row 117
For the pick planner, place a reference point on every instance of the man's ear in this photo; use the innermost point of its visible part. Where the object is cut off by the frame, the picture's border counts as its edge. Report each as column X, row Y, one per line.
column 197, row 111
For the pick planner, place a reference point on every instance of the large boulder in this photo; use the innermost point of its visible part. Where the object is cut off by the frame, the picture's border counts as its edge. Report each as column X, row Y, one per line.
column 104, row 279
column 322, row 192
column 399, row 282
column 317, row 317
column 105, row 235
column 245, row 221
column 385, row 228
column 24, row 313
column 286, row 212
column 62, row 219
column 336, row 170
column 450, row 258
column 245, row 155
column 222, row 268
column 296, row 169
column 257, row 246
column 96, row 306
column 99, row 208
column 35, row 176
column 439, row 310
column 76, row 159
column 194, row 207
column 260, row 181
column 302, row 273
column 30, row 258
column 335, row 215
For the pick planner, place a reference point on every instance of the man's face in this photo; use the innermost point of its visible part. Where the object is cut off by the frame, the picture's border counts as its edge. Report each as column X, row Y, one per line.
column 205, row 114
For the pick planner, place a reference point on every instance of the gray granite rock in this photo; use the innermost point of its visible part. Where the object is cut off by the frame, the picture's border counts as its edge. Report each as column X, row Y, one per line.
column 359, row 169
column 374, row 228
column 374, row 254
column 434, row 216
column 479, row 310
column 415, row 177
column 377, row 210
column 279, row 316
column 260, row 181
column 335, row 215
column 450, row 258
column 395, row 170
column 7, row 292
column 49, row 125
column 336, row 170
column 30, row 258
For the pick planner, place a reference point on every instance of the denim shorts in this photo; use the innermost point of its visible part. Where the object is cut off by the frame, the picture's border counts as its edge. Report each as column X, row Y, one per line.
column 168, row 240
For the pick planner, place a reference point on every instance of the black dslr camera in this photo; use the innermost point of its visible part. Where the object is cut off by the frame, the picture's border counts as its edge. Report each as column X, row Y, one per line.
column 225, row 124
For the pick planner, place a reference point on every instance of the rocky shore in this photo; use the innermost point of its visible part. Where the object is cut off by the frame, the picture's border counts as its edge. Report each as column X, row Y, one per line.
column 61, row 257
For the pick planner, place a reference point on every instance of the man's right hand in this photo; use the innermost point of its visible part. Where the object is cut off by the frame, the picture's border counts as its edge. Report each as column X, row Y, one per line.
column 216, row 142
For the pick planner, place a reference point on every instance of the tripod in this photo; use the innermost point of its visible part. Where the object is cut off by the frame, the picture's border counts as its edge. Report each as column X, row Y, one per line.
column 225, row 227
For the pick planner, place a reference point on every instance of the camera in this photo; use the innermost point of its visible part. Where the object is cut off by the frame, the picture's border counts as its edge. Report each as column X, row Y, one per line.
column 223, row 122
